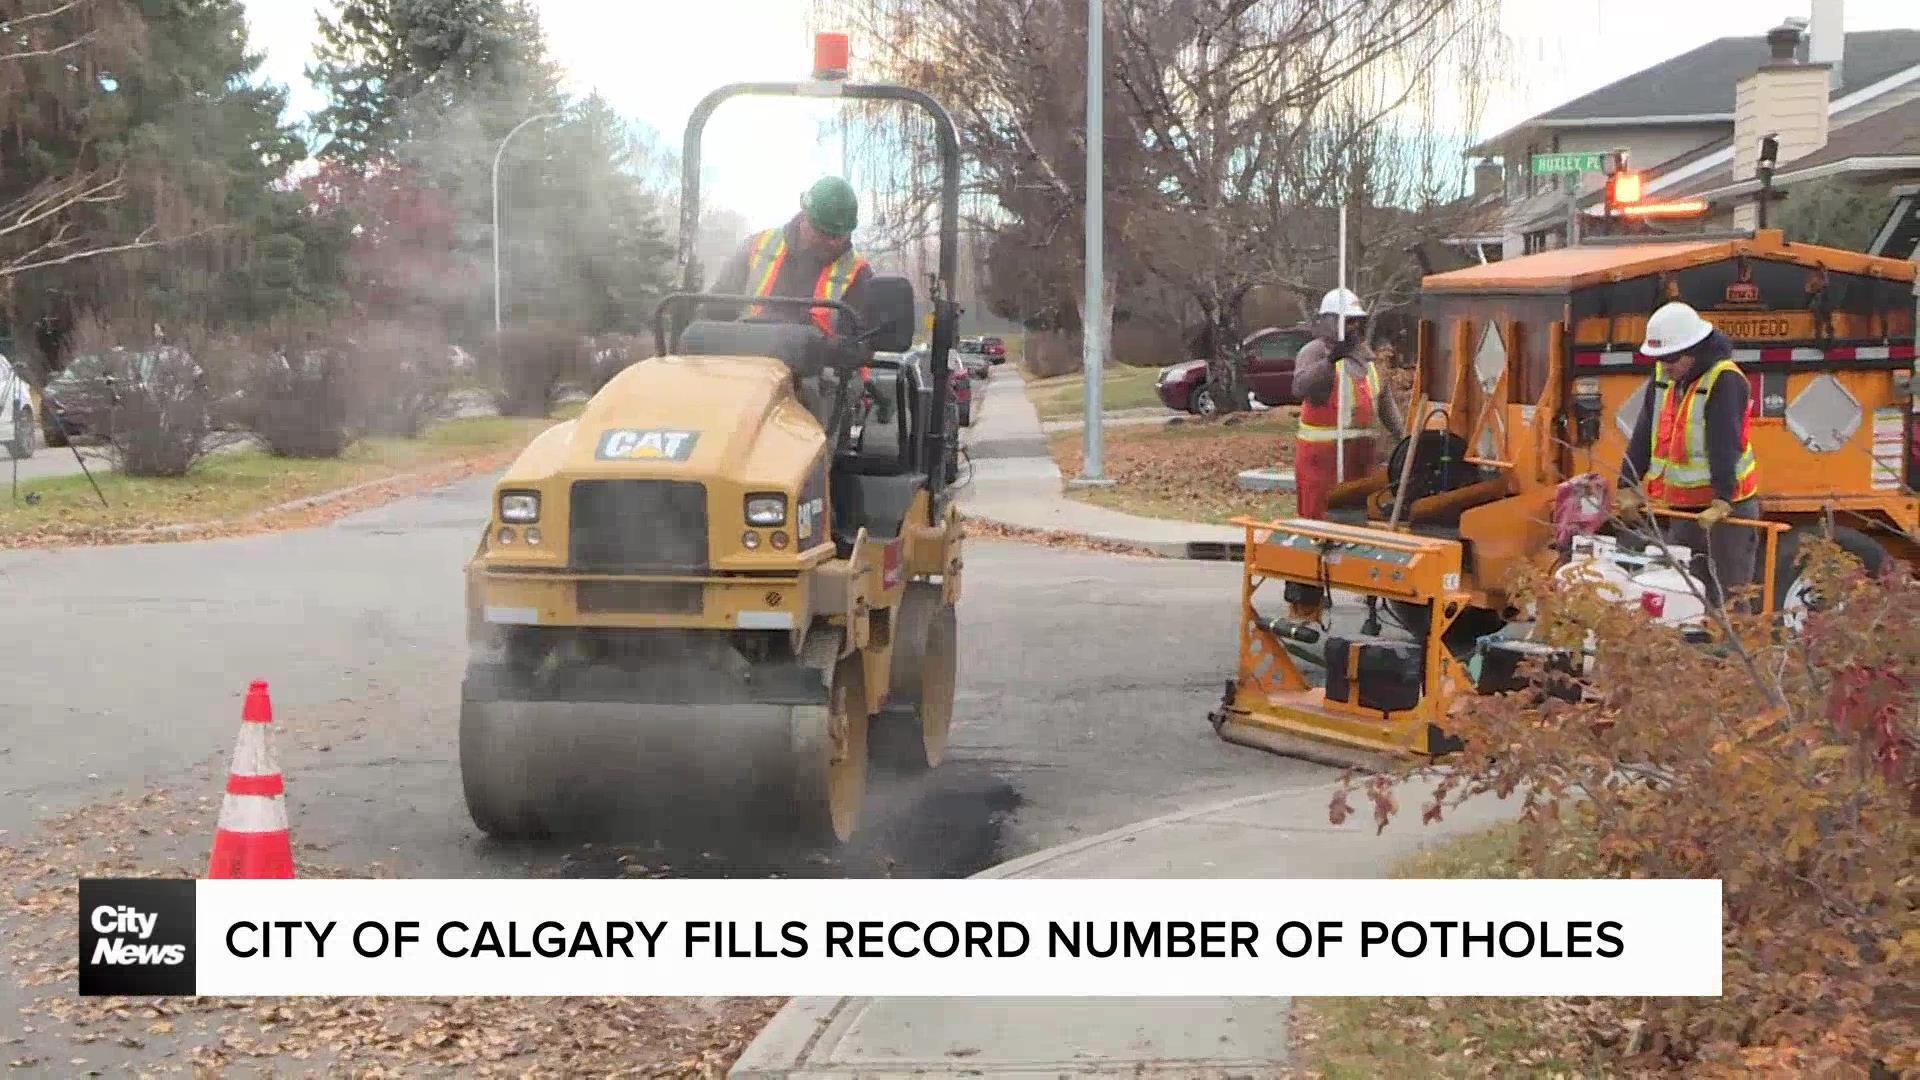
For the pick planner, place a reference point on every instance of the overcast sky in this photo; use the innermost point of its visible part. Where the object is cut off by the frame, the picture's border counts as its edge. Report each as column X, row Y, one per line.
column 653, row 59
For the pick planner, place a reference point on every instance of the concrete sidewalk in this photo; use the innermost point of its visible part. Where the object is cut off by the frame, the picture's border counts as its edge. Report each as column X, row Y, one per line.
column 1284, row 834
column 1016, row 483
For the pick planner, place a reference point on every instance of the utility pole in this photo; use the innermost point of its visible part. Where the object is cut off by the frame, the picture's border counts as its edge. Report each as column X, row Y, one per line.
column 497, row 154
column 1093, row 328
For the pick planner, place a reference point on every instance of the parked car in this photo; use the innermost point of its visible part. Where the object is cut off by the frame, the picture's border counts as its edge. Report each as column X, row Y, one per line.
column 977, row 364
column 995, row 349
column 77, row 398
column 16, row 412
column 1269, row 364
column 959, row 381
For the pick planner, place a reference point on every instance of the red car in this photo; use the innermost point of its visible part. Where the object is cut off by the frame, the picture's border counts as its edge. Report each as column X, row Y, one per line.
column 995, row 349
column 1269, row 354
column 959, row 383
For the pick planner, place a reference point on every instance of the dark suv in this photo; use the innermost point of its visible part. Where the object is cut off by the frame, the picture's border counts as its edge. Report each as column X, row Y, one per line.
column 1269, row 354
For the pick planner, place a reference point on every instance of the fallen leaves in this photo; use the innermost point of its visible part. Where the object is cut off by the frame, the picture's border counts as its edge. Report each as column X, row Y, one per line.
column 157, row 834
column 1190, row 470
column 994, row 530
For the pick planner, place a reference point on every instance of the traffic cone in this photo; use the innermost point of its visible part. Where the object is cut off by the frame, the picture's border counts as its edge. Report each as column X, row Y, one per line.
column 252, row 839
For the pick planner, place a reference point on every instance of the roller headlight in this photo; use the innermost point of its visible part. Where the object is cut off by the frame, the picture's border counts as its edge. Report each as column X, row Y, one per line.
column 766, row 511
column 520, row 507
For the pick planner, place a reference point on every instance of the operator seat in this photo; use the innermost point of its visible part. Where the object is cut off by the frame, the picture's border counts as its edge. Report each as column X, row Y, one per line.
column 866, row 485
column 873, row 487
column 811, row 355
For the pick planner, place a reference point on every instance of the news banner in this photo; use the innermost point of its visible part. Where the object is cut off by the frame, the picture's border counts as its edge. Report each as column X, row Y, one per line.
column 947, row 938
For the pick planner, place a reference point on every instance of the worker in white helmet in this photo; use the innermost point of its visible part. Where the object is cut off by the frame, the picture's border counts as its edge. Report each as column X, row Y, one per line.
column 1344, row 400
column 1692, row 448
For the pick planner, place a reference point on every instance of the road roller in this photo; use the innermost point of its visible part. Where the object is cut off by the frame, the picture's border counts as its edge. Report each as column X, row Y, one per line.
column 729, row 585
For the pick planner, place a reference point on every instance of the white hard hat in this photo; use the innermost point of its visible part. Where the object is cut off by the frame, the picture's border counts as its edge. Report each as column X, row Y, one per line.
column 1675, row 328
column 1341, row 302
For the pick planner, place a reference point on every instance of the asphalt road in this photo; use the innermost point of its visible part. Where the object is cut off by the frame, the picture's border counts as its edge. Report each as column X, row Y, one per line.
column 1085, row 681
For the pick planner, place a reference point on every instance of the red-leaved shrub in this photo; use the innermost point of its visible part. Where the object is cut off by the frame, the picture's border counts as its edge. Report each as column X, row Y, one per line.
column 1784, row 764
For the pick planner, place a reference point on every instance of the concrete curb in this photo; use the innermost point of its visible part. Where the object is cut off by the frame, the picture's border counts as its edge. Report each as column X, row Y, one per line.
column 1021, row 866
column 832, row 1038
column 1198, row 550
column 452, row 472
column 1014, row 485
column 798, row 1027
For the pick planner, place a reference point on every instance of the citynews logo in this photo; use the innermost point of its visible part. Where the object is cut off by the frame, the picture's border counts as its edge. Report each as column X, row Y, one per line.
column 136, row 937
column 119, row 950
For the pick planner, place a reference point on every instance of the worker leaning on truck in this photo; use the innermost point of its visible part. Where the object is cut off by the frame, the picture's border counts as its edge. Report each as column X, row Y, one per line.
column 1342, row 392
column 1692, row 449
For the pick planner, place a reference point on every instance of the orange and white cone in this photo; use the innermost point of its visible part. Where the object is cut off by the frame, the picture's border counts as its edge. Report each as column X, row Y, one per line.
column 252, row 840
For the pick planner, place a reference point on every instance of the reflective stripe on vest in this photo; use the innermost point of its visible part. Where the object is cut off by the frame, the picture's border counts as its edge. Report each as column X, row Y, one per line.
column 769, row 253
column 834, row 282
column 1348, row 411
column 763, row 266
column 1679, row 473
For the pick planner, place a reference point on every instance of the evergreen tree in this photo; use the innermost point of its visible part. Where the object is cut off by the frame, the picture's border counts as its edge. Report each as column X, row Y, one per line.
column 431, row 87
column 591, row 248
column 166, row 107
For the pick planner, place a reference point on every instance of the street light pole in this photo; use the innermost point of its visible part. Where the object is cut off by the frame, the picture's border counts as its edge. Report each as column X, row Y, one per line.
column 497, row 155
column 1093, row 324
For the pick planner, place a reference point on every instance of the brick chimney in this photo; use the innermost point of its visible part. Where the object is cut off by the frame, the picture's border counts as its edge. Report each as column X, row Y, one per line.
column 1784, row 98
column 1488, row 178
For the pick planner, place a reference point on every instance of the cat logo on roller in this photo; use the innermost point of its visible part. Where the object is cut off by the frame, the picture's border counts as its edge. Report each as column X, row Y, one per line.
column 647, row 444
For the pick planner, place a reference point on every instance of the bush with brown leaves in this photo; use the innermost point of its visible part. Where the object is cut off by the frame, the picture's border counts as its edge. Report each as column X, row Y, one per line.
column 401, row 375
column 297, row 394
column 1782, row 764
column 526, row 364
column 152, row 401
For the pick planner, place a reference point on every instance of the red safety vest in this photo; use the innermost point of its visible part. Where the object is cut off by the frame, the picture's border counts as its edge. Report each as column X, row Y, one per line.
column 769, row 254
column 1348, row 408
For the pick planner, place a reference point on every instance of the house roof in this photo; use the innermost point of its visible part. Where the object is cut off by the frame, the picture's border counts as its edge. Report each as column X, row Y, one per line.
column 1698, row 85
column 1888, row 141
column 1893, row 133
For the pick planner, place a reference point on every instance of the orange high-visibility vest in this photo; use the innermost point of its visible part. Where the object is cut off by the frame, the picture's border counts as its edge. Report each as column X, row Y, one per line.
column 769, row 254
column 1678, row 473
column 1348, row 408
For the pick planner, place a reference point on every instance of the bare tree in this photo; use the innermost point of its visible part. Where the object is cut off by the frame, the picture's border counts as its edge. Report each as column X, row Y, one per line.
column 1234, row 130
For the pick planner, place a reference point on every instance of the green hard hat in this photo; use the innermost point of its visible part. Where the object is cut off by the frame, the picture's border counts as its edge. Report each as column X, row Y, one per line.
column 831, row 206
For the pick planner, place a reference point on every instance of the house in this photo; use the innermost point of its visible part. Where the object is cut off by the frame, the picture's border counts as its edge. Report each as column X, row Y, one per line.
column 1900, row 236
column 1840, row 104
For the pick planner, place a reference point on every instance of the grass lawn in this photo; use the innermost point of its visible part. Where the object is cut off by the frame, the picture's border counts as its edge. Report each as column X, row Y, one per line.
column 1185, row 471
column 1064, row 397
column 233, row 484
column 1454, row 1037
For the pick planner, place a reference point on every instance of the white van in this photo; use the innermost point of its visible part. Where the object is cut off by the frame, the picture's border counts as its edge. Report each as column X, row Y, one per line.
column 17, row 430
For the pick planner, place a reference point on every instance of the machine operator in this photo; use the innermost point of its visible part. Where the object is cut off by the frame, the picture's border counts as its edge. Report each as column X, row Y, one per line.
column 812, row 256
column 1343, row 391
column 1692, row 450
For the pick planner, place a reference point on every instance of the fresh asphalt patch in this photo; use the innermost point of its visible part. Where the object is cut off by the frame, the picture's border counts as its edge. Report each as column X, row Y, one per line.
column 944, row 824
